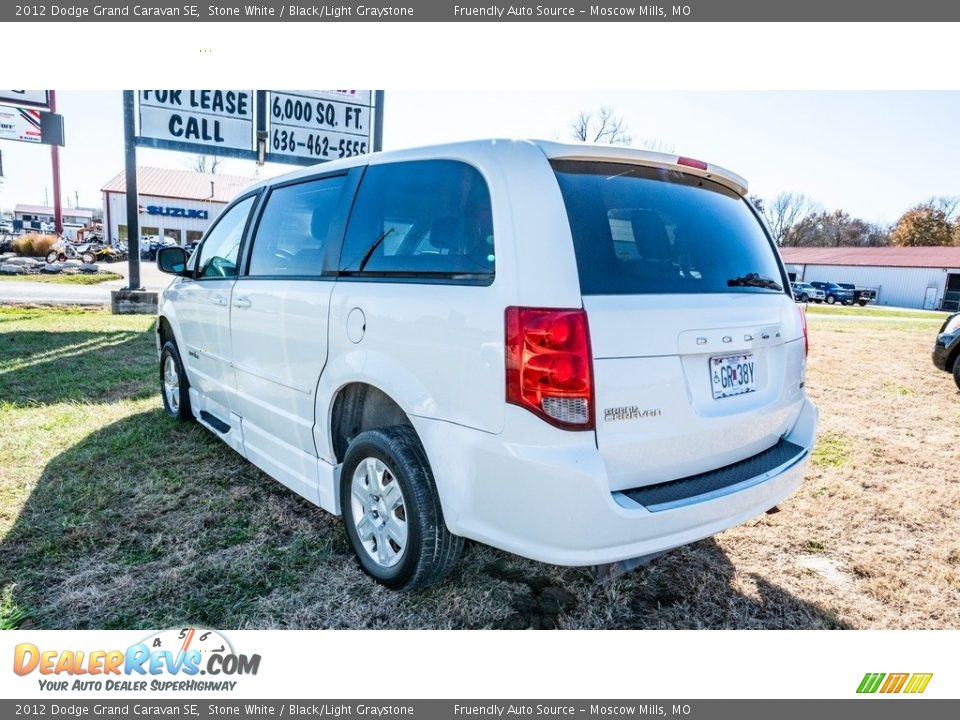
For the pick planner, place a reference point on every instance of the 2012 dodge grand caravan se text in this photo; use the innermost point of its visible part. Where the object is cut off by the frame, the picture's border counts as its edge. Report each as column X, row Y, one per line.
column 582, row 355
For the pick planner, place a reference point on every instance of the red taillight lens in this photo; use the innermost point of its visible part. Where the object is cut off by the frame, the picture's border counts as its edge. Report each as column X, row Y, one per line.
column 549, row 365
column 690, row 162
column 806, row 332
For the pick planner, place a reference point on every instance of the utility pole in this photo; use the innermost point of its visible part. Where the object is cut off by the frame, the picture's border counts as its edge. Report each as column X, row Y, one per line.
column 55, row 159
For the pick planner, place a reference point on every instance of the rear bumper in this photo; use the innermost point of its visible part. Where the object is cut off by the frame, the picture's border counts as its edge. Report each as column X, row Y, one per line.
column 553, row 504
column 944, row 348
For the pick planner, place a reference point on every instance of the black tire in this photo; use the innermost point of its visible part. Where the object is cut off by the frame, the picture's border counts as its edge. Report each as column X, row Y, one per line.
column 805, row 298
column 862, row 303
column 89, row 258
column 956, row 372
column 831, row 299
column 177, row 405
column 430, row 551
column 52, row 256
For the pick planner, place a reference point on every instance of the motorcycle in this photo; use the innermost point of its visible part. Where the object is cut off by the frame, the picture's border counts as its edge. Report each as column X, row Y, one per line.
column 108, row 253
column 66, row 250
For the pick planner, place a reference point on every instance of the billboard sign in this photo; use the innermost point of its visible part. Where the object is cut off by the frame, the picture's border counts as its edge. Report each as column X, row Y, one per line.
column 318, row 125
column 218, row 122
column 33, row 98
column 21, row 124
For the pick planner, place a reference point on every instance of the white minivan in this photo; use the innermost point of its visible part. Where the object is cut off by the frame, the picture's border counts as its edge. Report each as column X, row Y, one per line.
column 582, row 355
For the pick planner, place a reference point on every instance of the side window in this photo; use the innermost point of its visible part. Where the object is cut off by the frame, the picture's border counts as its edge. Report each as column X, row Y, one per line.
column 292, row 232
column 220, row 249
column 422, row 218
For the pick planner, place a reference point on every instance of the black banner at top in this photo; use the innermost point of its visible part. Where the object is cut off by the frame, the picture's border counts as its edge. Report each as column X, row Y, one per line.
column 477, row 11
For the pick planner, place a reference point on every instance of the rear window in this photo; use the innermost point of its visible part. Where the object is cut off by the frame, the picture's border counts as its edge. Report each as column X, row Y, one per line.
column 646, row 230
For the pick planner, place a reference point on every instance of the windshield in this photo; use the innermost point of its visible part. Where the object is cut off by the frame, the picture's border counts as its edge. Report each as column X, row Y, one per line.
column 647, row 230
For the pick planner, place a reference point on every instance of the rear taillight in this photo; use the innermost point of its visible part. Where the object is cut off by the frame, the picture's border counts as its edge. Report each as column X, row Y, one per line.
column 806, row 332
column 549, row 365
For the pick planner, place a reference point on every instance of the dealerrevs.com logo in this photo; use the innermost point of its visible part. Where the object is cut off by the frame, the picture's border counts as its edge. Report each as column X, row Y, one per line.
column 170, row 660
column 892, row 683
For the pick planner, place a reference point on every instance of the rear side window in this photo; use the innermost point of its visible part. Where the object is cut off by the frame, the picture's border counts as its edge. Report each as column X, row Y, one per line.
column 422, row 219
column 292, row 232
column 645, row 230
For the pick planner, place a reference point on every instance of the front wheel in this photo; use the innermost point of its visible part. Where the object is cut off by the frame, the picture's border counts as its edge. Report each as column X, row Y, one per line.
column 805, row 298
column 391, row 511
column 88, row 258
column 956, row 372
column 174, row 386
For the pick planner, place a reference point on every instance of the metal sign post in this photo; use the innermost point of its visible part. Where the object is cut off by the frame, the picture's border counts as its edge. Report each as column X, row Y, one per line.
column 133, row 203
column 378, row 121
column 55, row 161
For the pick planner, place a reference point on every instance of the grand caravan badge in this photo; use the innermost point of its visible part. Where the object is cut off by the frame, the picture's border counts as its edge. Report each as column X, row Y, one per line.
column 630, row 412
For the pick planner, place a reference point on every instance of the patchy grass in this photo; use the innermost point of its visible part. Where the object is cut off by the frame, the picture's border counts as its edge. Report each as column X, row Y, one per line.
column 876, row 311
column 830, row 451
column 11, row 616
column 65, row 278
column 113, row 516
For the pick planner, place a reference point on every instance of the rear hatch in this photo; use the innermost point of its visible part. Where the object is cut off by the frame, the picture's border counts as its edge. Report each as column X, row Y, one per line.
column 698, row 348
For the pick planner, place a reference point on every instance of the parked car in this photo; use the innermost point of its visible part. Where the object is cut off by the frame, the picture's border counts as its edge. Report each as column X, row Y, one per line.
column 582, row 355
column 805, row 292
column 861, row 296
column 946, row 349
column 834, row 293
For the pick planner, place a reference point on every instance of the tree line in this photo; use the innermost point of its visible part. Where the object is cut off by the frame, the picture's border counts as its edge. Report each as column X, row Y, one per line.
column 797, row 221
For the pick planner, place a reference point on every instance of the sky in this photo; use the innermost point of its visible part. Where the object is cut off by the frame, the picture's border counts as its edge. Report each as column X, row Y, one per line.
column 873, row 154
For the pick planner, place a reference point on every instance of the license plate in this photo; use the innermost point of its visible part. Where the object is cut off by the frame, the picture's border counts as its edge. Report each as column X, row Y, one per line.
column 733, row 375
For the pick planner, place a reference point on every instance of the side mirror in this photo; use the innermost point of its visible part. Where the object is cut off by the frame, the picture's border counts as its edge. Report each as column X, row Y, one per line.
column 172, row 260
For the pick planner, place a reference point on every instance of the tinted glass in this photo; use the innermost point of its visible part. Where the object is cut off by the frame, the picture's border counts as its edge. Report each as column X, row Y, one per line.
column 292, row 232
column 646, row 230
column 429, row 218
column 218, row 254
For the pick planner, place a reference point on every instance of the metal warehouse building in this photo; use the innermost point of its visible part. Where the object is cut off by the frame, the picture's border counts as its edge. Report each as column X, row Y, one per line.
column 921, row 277
column 178, row 204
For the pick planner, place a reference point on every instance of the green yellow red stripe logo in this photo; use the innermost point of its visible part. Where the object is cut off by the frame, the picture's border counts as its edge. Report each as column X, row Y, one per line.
column 890, row 683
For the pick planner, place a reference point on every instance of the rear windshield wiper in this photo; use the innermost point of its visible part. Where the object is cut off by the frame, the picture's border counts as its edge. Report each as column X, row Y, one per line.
column 373, row 246
column 754, row 280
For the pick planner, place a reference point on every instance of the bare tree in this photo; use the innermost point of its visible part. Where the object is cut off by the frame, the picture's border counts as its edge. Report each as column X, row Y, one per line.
column 602, row 127
column 836, row 229
column 785, row 212
column 205, row 164
column 656, row 145
column 948, row 205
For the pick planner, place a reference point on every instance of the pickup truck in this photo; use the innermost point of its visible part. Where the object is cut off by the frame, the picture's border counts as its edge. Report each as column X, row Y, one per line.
column 861, row 296
column 834, row 293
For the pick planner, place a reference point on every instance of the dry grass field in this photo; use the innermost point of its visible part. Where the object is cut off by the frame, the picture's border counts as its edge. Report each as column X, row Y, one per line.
column 111, row 516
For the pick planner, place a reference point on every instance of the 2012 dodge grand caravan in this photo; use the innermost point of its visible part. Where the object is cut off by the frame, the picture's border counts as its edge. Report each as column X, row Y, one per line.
column 582, row 355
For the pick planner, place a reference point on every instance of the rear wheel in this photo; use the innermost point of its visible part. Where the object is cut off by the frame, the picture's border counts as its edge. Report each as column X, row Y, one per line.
column 391, row 511
column 174, row 386
column 52, row 256
column 831, row 299
column 88, row 258
column 956, row 372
